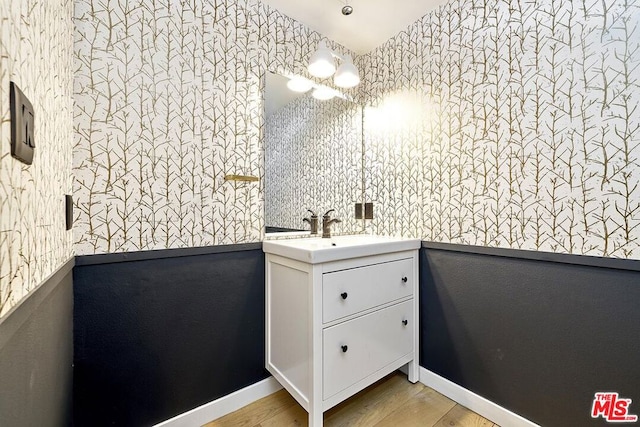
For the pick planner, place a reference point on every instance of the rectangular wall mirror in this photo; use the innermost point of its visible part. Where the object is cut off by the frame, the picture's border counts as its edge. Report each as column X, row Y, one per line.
column 313, row 159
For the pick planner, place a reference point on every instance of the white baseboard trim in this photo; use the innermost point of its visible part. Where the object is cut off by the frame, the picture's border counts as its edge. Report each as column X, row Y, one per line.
column 223, row 406
column 478, row 404
column 236, row 400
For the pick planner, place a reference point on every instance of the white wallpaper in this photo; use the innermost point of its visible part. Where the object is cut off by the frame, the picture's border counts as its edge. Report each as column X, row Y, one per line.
column 313, row 160
column 509, row 124
column 168, row 101
column 36, row 46
column 496, row 123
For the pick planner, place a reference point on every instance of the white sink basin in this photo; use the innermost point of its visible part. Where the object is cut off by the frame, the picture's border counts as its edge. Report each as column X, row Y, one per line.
column 316, row 250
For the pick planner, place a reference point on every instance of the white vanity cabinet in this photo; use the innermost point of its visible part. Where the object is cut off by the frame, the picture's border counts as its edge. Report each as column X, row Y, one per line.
column 339, row 318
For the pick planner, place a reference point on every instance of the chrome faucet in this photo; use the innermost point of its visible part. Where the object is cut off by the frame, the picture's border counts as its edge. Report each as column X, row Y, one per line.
column 313, row 221
column 326, row 223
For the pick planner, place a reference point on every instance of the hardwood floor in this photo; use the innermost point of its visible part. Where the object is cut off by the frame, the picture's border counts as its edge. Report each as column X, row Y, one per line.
column 392, row 402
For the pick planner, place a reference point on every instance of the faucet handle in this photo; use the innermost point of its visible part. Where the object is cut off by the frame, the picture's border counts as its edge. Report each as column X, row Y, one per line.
column 313, row 222
column 326, row 214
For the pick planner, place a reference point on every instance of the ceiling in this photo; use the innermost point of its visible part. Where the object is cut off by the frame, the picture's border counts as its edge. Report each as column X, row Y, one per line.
column 371, row 24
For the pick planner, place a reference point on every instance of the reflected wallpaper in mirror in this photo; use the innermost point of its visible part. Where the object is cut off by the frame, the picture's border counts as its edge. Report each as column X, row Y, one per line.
column 313, row 158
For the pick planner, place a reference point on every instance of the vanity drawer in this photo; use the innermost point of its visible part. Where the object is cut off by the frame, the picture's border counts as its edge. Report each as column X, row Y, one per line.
column 351, row 291
column 371, row 342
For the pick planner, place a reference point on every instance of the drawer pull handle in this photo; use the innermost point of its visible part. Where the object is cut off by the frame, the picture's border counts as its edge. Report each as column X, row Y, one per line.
column 405, row 322
column 404, row 279
column 344, row 295
column 344, row 348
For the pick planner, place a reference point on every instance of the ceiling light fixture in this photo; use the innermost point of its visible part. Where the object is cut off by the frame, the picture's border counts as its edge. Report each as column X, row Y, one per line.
column 322, row 65
column 323, row 93
column 347, row 74
column 299, row 84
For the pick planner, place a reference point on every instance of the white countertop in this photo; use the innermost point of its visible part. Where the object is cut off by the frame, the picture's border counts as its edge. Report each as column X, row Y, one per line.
column 317, row 250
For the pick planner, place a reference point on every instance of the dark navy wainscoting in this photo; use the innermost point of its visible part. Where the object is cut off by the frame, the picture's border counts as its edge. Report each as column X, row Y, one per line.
column 536, row 333
column 158, row 333
column 36, row 355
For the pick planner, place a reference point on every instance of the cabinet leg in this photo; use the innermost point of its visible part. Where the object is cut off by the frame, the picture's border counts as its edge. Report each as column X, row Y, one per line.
column 413, row 371
column 315, row 419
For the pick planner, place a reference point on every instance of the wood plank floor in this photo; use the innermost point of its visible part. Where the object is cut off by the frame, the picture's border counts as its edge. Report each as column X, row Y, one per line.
column 392, row 401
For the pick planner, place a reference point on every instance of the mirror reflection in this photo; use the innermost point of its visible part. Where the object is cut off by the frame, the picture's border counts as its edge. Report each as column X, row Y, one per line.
column 313, row 159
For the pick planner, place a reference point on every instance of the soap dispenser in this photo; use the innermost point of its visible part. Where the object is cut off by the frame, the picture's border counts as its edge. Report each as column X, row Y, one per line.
column 313, row 221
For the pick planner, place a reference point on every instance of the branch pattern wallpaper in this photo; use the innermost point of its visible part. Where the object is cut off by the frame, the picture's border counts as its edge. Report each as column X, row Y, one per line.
column 511, row 124
column 313, row 160
column 168, row 101
column 497, row 123
column 500, row 123
column 36, row 52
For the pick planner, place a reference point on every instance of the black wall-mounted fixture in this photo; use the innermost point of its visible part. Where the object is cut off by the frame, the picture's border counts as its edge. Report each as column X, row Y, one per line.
column 68, row 198
column 368, row 210
column 22, row 118
column 358, row 210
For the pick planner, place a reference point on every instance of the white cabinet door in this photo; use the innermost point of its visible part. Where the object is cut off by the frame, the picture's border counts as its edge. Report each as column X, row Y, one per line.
column 355, row 349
